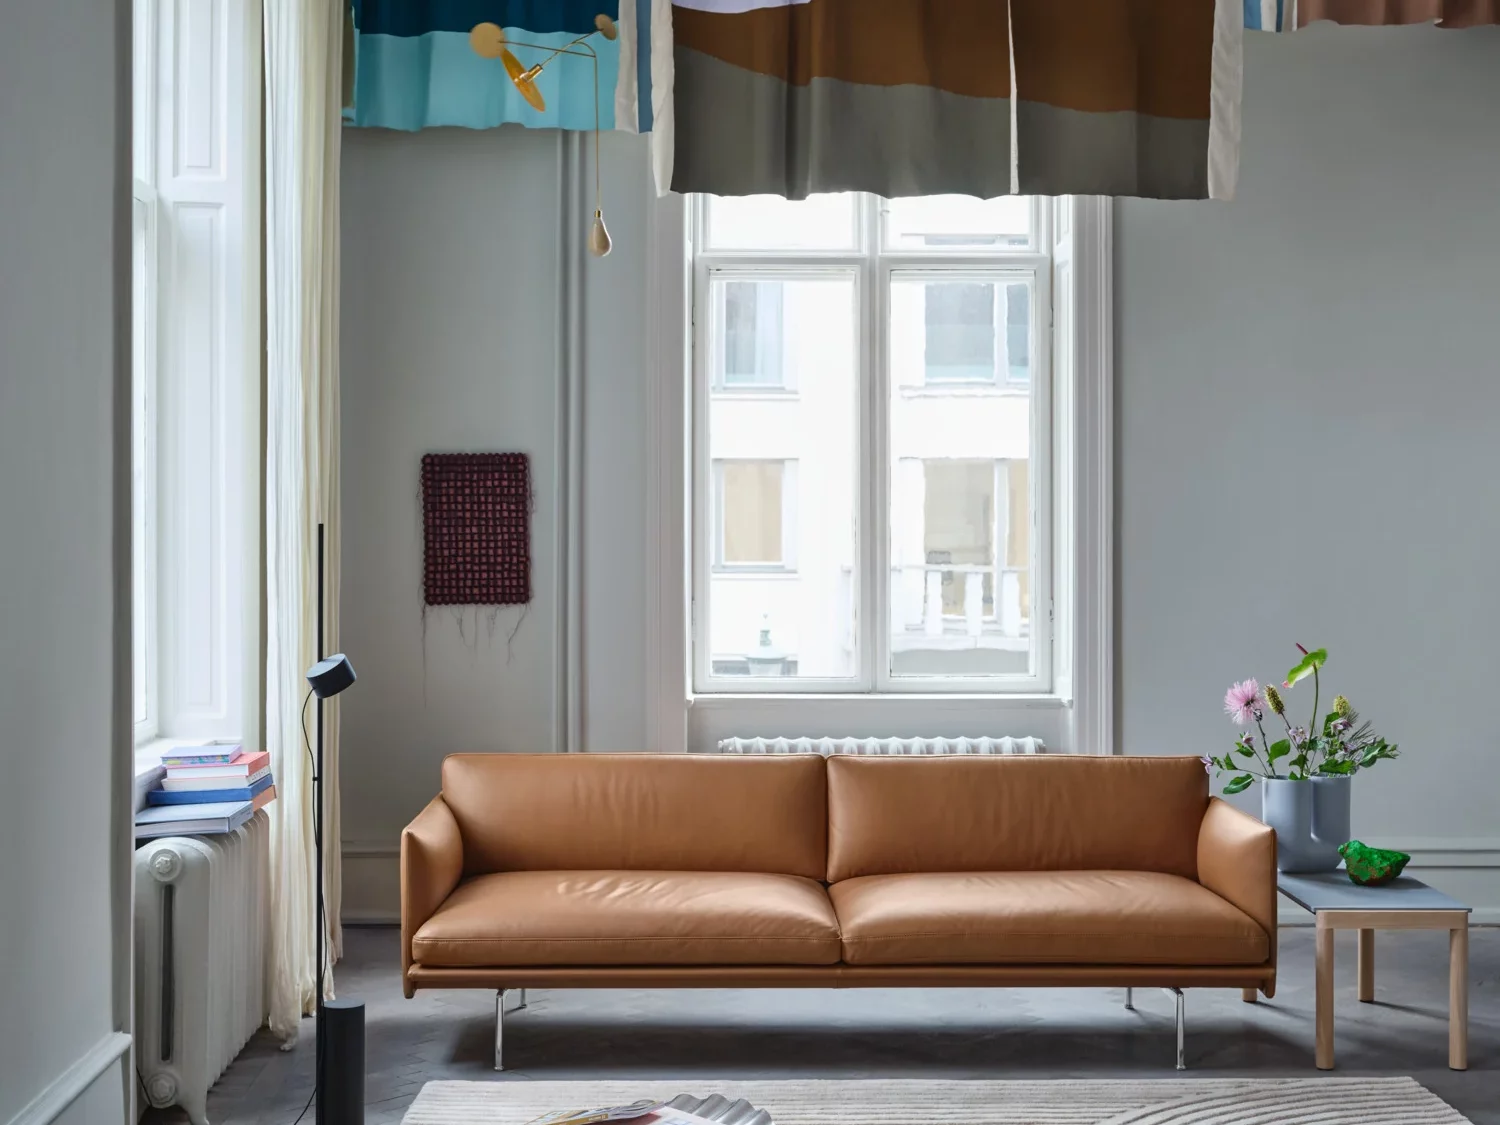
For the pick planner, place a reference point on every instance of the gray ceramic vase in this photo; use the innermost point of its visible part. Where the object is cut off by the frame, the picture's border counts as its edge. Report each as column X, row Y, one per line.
column 1311, row 819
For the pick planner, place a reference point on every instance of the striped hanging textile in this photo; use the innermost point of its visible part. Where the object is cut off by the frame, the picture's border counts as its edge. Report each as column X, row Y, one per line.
column 414, row 67
column 972, row 97
column 1287, row 15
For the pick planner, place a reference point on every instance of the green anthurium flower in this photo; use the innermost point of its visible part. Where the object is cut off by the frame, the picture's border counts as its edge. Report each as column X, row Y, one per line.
column 1307, row 666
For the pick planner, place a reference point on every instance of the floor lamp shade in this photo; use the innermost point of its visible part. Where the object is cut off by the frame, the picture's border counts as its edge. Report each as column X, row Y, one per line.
column 330, row 676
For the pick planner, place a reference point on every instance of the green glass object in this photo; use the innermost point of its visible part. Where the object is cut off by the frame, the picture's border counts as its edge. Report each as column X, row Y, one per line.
column 1372, row 867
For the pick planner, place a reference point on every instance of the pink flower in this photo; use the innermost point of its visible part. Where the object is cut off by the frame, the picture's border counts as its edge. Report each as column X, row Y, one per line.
column 1240, row 701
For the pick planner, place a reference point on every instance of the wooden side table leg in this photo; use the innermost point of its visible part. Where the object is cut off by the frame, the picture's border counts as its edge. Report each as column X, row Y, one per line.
column 1367, row 966
column 1458, row 997
column 1323, row 1051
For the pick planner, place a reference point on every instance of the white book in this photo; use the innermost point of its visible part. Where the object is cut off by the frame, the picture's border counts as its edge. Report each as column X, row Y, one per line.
column 213, row 781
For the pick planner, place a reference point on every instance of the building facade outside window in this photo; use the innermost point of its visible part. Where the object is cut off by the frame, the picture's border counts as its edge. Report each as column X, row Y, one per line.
column 910, row 547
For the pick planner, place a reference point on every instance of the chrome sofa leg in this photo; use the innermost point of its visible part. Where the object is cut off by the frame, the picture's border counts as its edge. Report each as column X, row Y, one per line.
column 499, row 1027
column 1130, row 999
column 1181, row 1027
column 521, row 992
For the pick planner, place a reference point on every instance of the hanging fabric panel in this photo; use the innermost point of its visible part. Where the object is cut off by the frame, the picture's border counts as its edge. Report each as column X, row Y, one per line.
column 1287, row 15
column 1126, row 97
column 972, row 97
column 414, row 67
column 790, row 98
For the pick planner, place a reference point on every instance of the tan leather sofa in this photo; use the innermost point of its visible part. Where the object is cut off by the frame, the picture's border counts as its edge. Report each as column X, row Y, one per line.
column 645, row 870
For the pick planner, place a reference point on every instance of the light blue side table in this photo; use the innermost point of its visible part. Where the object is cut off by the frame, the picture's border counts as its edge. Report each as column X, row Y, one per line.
column 1405, row 904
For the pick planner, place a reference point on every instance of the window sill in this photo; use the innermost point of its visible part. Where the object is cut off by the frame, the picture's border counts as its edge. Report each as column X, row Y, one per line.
column 964, row 390
column 745, row 394
column 148, row 753
column 1032, row 701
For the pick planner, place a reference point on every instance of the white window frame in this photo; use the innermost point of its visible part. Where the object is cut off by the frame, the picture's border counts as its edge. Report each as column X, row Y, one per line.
column 787, row 564
column 1077, row 713
column 143, row 382
column 873, row 267
column 197, row 154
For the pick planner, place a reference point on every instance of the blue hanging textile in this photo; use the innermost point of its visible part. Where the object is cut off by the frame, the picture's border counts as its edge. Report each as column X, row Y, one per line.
column 414, row 68
column 1266, row 15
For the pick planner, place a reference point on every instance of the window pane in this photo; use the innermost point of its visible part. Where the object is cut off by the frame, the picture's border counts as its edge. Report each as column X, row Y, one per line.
column 781, row 537
column 751, row 502
column 1018, row 333
column 960, row 492
column 959, row 332
column 753, row 337
column 958, row 221
column 972, row 331
column 768, row 222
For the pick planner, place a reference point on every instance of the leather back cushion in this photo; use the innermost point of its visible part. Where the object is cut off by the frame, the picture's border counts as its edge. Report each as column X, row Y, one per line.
column 894, row 815
column 639, row 812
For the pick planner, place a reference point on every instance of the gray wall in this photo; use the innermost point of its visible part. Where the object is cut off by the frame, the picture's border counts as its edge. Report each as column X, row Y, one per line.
column 64, row 625
column 1343, row 310
column 450, row 344
column 1309, row 423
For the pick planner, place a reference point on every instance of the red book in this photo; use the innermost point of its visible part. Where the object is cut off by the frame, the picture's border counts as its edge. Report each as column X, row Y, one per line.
column 241, row 768
column 263, row 798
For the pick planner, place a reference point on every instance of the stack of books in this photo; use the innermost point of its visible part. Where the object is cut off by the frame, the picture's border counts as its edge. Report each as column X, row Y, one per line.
column 206, row 790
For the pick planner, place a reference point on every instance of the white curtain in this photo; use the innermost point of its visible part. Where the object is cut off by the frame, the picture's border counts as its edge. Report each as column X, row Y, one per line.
column 304, row 42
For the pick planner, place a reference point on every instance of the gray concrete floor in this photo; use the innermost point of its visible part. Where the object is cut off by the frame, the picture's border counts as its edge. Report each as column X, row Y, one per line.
column 889, row 1033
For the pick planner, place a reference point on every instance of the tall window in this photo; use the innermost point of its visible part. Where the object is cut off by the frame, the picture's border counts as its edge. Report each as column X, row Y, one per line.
column 196, row 349
column 882, row 525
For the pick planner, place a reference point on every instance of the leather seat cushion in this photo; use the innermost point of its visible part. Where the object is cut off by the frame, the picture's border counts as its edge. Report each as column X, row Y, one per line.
column 631, row 918
column 1051, row 917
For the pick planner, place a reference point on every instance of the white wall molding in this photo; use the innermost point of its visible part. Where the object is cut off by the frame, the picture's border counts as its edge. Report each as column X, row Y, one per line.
column 1089, row 470
column 666, row 474
column 70, row 1085
column 572, row 326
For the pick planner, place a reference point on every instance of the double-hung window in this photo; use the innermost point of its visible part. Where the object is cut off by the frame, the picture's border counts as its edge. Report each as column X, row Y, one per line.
column 872, row 445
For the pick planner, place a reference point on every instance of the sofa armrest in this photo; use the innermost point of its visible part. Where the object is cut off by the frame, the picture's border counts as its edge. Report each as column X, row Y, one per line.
column 432, row 862
column 1237, row 861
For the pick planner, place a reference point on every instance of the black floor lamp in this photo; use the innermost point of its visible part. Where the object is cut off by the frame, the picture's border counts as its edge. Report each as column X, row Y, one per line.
column 339, row 1063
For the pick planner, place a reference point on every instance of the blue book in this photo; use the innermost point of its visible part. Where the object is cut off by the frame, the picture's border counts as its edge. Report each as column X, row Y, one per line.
column 208, row 796
column 191, row 820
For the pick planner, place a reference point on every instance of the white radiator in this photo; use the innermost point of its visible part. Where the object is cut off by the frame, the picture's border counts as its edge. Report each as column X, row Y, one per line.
column 827, row 746
column 201, row 911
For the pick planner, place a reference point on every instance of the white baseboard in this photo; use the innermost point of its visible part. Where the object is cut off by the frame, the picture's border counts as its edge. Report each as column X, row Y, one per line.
column 72, row 1083
column 1466, row 867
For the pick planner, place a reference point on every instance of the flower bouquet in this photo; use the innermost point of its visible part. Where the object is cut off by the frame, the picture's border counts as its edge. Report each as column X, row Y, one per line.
column 1337, row 746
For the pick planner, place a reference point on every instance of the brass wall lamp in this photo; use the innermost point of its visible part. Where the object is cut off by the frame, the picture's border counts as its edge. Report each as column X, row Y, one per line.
column 489, row 41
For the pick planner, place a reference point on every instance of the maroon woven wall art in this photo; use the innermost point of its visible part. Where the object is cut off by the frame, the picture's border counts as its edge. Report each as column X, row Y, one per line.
column 476, row 526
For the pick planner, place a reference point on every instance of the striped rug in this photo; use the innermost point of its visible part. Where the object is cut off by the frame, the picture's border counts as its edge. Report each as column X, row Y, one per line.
column 1187, row 1101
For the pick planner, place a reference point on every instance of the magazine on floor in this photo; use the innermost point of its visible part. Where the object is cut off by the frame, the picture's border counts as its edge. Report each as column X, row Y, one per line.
column 638, row 1113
